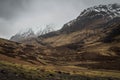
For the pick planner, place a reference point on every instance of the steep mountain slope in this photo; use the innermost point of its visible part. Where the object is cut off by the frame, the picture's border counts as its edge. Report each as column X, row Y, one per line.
column 93, row 17
column 89, row 24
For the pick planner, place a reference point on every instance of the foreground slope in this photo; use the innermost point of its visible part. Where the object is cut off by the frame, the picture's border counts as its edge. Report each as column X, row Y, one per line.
column 25, row 66
column 20, row 53
column 9, row 71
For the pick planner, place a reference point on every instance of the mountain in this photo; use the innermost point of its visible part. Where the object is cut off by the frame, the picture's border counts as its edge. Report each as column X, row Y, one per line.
column 86, row 48
column 94, row 33
column 93, row 36
column 93, row 17
column 23, row 35
column 89, row 23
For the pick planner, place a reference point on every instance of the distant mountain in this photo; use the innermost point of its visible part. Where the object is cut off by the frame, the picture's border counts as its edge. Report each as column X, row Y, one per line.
column 23, row 35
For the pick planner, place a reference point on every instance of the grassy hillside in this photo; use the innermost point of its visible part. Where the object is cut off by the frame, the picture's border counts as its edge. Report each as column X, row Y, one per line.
column 10, row 71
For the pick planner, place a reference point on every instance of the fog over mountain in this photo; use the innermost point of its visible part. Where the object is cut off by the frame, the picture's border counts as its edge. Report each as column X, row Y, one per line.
column 16, row 15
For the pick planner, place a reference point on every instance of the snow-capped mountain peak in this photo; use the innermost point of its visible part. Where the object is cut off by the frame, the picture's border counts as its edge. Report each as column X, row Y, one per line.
column 113, row 10
column 23, row 35
column 107, row 12
column 93, row 17
column 28, row 33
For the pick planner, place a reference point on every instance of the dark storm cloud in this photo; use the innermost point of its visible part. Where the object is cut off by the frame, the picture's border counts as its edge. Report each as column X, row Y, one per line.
column 18, row 14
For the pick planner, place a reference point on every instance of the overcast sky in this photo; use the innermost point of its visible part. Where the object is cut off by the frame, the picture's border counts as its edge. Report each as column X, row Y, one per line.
column 16, row 15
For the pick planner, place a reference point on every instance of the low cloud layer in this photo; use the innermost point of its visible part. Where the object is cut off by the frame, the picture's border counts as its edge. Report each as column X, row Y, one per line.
column 16, row 15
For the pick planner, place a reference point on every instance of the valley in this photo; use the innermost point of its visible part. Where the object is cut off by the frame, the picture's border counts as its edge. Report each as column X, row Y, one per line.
column 87, row 48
